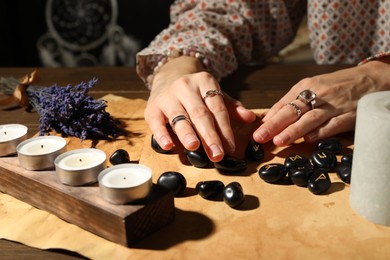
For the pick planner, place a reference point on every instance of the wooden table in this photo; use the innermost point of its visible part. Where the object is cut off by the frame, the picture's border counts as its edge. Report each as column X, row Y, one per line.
column 255, row 86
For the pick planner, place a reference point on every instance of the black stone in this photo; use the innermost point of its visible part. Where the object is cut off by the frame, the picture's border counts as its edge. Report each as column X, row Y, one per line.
column 230, row 164
column 173, row 181
column 119, row 156
column 209, row 189
column 156, row 147
column 273, row 172
column 344, row 171
column 294, row 161
column 198, row 158
column 233, row 194
column 346, row 159
column 324, row 159
column 332, row 145
column 319, row 182
column 300, row 176
column 254, row 151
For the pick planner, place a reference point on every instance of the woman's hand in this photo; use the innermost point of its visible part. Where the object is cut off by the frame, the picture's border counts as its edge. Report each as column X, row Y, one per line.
column 179, row 88
column 334, row 112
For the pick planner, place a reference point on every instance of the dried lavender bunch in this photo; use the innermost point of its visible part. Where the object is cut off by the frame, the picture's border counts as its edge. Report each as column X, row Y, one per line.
column 69, row 110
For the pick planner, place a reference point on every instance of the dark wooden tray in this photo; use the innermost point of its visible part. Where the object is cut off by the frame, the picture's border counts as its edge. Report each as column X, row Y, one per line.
column 84, row 207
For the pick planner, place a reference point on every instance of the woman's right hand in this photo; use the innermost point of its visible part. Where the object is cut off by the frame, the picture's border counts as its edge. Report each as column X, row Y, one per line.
column 179, row 88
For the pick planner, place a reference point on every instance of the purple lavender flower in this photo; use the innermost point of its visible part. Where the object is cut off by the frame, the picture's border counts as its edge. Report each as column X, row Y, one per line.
column 70, row 111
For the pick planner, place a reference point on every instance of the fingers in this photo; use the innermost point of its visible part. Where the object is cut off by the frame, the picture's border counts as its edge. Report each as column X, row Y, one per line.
column 334, row 126
column 282, row 118
column 196, row 110
column 296, row 119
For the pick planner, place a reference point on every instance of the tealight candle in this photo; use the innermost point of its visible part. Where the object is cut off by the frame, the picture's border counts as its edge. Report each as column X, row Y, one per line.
column 125, row 183
column 10, row 136
column 80, row 166
column 39, row 153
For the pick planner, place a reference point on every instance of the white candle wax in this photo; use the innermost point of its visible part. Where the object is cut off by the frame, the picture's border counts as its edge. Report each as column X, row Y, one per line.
column 80, row 166
column 39, row 153
column 124, row 183
column 41, row 145
column 81, row 159
column 11, row 132
column 125, row 178
column 10, row 136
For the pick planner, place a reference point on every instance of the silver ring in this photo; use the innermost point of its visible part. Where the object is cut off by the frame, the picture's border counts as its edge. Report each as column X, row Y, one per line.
column 296, row 108
column 308, row 97
column 179, row 118
column 212, row 93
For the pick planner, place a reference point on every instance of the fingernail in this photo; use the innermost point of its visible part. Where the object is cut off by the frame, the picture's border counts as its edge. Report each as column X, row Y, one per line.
column 215, row 150
column 190, row 140
column 261, row 134
column 164, row 141
column 242, row 109
column 282, row 138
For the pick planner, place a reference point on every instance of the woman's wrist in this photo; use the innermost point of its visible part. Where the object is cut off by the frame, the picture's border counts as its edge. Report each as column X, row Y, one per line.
column 176, row 68
column 186, row 59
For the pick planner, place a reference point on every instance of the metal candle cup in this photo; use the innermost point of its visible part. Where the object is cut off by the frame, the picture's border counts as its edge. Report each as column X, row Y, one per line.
column 80, row 166
column 10, row 136
column 125, row 183
column 39, row 153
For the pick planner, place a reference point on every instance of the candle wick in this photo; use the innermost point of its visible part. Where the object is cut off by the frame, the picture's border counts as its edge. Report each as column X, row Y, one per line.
column 5, row 132
column 80, row 160
column 124, row 178
column 42, row 146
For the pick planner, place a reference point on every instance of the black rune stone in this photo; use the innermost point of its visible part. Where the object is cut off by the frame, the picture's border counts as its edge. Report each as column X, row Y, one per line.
column 273, row 172
column 294, row 161
column 198, row 158
column 254, row 151
column 332, row 145
column 230, row 164
column 344, row 171
column 319, row 182
column 119, row 156
column 209, row 189
column 156, row 147
column 173, row 181
column 324, row 159
column 233, row 194
column 346, row 159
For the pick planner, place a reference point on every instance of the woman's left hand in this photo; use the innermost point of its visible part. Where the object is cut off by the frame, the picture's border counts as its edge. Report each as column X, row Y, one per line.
column 335, row 105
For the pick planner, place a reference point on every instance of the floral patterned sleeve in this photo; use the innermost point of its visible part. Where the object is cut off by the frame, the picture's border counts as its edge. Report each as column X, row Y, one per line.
column 226, row 32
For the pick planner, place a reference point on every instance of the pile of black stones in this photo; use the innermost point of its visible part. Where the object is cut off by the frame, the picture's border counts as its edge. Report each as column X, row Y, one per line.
column 232, row 194
column 311, row 172
column 254, row 152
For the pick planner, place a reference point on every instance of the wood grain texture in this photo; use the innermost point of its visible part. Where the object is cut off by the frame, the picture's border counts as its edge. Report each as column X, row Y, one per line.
column 84, row 207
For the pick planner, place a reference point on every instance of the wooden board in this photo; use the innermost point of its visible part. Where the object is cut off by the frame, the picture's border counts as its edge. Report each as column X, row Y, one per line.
column 84, row 207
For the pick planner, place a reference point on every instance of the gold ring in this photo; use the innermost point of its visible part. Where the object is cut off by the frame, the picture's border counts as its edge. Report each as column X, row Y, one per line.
column 296, row 108
column 212, row 93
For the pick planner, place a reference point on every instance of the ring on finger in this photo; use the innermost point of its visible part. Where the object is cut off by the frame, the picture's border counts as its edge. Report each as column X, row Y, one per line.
column 296, row 108
column 308, row 97
column 177, row 119
column 212, row 93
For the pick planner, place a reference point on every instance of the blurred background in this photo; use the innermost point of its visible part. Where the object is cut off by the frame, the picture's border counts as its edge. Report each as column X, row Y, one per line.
column 71, row 33
column 77, row 33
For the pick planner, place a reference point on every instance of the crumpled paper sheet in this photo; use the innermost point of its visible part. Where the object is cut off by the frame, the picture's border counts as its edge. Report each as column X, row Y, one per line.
column 37, row 228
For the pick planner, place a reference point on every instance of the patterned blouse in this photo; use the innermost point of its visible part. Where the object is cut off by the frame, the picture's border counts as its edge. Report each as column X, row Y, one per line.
column 233, row 32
